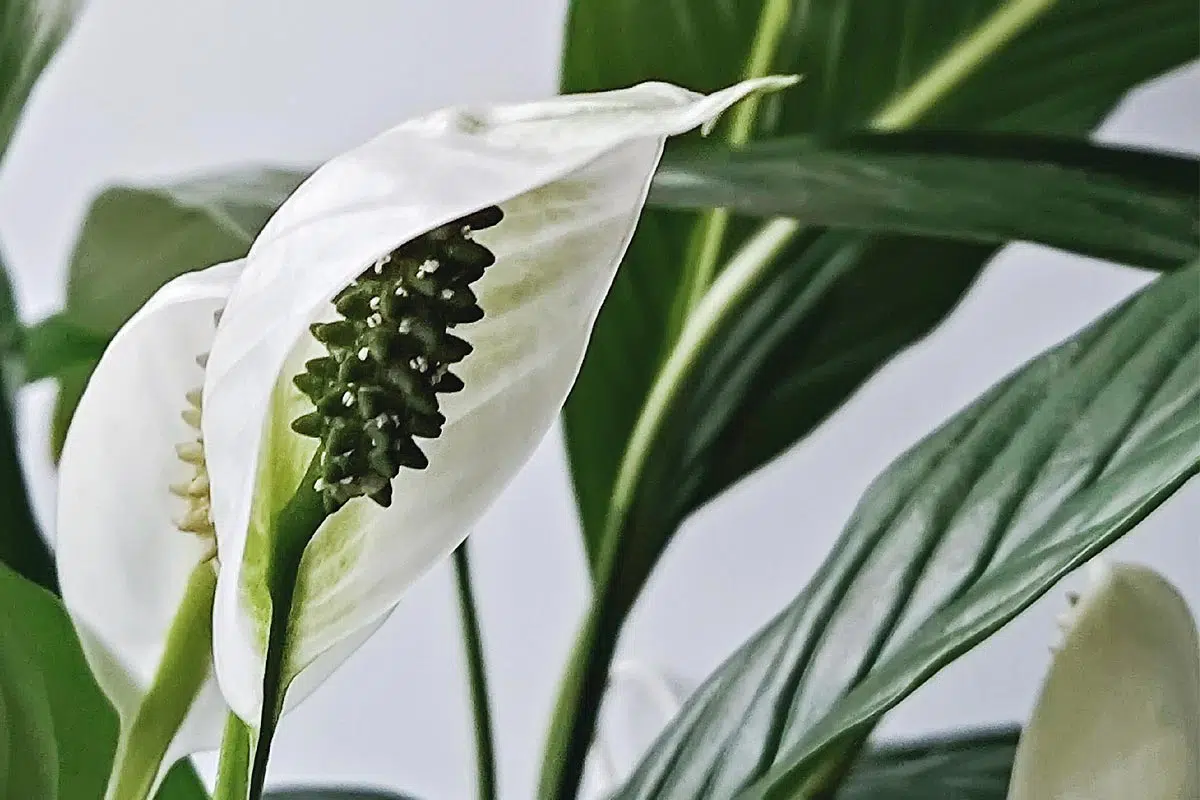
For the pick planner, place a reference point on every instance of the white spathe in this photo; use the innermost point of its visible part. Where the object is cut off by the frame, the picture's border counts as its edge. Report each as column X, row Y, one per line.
column 123, row 564
column 571, row 175
column 1119, row 712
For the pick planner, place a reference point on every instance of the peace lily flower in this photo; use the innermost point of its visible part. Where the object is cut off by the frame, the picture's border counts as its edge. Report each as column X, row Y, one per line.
column 1119, row 712
column 407, row 329
column 135, row 540
column 337, row 401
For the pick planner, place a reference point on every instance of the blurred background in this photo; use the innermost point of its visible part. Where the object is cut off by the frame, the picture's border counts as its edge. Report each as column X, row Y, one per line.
column 148, row 89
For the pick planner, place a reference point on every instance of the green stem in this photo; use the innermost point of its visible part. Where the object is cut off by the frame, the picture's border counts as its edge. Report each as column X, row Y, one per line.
column 708, row 237
column 485, row 755
column 905, row 109
column 293, row 529
column 576, row 711
column 959, row 63
column 185, row 667
column 233, row 769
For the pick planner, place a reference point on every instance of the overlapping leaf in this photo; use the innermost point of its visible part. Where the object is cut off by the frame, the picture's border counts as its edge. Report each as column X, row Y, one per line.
column 1031, row 66
column 847, row 301
column 972, row 765
column 954, row 539
column 1133, row 206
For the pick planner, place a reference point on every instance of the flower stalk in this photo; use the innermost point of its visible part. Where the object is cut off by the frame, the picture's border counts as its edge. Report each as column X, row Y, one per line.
column 233, row 771
column 183, row 671
column 485, row 751
column 294, row 528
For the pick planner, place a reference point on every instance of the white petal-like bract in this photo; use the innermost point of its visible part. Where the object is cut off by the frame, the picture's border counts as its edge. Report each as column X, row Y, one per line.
column 571, row 176
column 123, row 563
column 1119, row 713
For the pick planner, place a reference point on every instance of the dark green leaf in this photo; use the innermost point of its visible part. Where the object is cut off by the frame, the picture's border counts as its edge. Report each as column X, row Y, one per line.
column 1028, row 66
column 317, row 793
column 21, row 544
column 951, row 542
column 182, row 783
column 1133, row 206
column 133, row 241
column 31, row 31
column 971, row 765
column 28, row 753
column 866, row 64
column 83, row 724
column 701, row 45
column 55, row 346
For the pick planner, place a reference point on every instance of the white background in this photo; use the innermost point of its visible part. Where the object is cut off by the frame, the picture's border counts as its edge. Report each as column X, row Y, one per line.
column 154, row 88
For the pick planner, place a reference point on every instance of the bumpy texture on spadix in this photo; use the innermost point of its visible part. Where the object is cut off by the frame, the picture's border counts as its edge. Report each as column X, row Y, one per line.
column 123, row 560
column 570, row 176
column 389, row 359
column 1119, row 712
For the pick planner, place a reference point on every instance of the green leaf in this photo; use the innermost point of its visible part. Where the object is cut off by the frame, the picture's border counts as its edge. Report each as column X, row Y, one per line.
column 1028, row 66
column 971, row 765
column 32, row 31
column 182, row 783
column 81, row 721
column 317, row 793
column 701, row 45
column 952, row 541
column 1133, row 206
column 1033, row 66
column 83, row 725
column 56, row 346
column 21, row 544
column 134, row 240
column 28, row 753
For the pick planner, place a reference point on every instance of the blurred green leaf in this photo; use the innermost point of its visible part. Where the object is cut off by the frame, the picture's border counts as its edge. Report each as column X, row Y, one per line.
column 55, row 346
column 28, row 753
column 182, row 783
column 1129, row 205
column 21, row 544
column 968, row 765
column 31, row 31
column 952, row 541
column 134, row 240
column 1032, row 66
column 333, row 793
column 82, row 724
